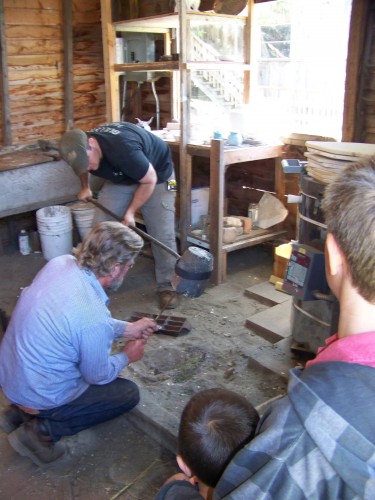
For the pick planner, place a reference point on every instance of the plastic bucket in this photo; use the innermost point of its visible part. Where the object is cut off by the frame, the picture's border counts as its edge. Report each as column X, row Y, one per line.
column 83, row 216
column 55, row 231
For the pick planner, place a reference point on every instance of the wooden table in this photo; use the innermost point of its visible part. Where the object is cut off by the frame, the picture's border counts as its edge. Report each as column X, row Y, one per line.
column 220, row 157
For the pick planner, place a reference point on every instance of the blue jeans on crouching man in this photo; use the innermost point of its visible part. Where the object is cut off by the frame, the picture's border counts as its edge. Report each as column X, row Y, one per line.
column 97, row 404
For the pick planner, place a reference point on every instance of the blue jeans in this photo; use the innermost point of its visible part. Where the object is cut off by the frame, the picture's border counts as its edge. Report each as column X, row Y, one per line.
column 97, row 404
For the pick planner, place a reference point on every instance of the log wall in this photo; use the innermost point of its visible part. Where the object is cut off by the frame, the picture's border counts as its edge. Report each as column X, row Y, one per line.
column 33, row 56
column 34, row 100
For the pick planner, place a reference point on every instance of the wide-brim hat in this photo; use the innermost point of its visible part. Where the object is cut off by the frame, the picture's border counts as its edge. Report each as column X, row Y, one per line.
column 73, row 149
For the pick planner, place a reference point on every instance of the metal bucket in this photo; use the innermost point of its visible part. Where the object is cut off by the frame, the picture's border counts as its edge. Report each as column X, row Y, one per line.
column 192, row 271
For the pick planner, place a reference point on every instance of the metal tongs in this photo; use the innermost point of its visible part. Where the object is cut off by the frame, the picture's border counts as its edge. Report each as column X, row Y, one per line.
column 160, row 327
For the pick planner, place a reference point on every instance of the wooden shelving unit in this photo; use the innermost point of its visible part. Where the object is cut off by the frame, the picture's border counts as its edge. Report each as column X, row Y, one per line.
column 220, row 157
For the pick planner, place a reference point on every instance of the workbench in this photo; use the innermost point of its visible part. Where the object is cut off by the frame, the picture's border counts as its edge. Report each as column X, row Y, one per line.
column 30, row 179
column 220, row 158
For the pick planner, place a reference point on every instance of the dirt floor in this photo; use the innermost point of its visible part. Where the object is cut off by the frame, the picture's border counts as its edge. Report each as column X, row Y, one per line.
column 131, row 452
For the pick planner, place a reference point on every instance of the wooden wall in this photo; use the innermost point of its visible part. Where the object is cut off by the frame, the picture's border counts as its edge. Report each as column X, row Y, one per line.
column 365, row 122
column 34, row 100
column 34, row 97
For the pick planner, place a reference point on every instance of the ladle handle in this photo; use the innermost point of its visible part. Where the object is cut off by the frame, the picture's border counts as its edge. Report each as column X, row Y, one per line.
column 137, row 230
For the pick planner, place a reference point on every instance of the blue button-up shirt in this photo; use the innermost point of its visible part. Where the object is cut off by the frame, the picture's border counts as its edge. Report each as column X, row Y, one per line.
column 59, row 338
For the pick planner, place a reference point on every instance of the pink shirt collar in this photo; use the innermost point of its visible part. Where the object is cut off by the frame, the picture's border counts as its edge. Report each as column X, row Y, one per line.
column 359, row 349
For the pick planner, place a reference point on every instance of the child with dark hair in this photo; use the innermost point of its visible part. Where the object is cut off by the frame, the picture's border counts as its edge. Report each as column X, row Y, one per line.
column 214, row 425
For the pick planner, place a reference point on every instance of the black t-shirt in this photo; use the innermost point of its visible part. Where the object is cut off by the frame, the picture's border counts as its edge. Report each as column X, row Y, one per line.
column 127, row 152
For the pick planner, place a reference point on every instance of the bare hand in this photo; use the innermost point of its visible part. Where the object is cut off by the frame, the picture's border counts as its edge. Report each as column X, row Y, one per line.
column 128, row 219
column 134, row 349
column 85, row 194
column 140, row 329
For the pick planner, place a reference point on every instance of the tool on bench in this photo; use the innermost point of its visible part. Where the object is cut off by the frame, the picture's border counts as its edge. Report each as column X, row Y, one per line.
column 192, row 269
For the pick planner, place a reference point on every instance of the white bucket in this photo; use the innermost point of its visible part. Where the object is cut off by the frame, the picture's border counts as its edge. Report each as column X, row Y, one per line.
column 83, row 216
column 55, row 231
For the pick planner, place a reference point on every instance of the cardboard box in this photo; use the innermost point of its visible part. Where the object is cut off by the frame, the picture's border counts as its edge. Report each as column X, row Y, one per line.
column 199, row 204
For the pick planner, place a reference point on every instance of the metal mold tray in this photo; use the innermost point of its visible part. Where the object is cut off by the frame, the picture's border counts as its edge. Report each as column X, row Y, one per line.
column 168, row 325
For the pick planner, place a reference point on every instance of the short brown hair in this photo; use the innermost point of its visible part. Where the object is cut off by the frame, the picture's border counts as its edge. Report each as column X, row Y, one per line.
column 214, row 425
column 349, row 209
column 107, row 243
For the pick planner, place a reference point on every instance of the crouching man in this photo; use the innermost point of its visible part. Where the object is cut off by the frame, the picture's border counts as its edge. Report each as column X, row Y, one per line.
column 56, row 366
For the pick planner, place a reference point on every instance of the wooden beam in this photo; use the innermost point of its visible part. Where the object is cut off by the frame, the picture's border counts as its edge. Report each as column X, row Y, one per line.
column 109, row 51
column 5, row 106
column 216, row 210
column 357, row 33
column 185, row 161
column 247, row 51
column 68, row 64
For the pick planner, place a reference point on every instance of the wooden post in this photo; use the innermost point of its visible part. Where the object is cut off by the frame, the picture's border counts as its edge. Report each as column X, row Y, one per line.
column 5, row 107
column 357, row 33
column 68, row 64
column 247, row 52
column 184, row 182
column 216, row 210
column 109, row 50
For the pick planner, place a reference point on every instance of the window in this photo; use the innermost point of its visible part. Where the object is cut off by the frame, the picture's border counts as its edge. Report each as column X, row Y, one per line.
column 275, row 41
column 299, row 51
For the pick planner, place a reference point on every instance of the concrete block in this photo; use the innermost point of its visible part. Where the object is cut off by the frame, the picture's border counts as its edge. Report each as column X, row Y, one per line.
column 273, row 324
column 276, row 358
column 266, row 294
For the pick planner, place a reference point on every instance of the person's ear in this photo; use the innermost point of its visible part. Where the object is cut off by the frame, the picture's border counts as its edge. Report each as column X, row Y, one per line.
column 333, row 256
column 185, row 469
column 116, row 269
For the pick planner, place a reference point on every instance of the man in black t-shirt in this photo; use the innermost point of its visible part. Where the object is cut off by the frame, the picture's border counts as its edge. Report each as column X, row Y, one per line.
column 136, row 166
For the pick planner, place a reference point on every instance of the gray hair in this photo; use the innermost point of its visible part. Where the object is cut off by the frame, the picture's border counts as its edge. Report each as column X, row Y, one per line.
column 107, row 243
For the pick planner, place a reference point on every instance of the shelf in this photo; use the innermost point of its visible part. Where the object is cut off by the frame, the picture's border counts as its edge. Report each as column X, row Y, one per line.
column 169, row 21
column 216, row 65
column 182, row 73
column 147, row 66
column 255, row 237
column 175, row 66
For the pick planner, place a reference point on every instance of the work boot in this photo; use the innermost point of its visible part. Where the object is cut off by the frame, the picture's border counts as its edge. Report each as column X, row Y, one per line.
column 28, row 441
column 12, row 417
column 168, row 299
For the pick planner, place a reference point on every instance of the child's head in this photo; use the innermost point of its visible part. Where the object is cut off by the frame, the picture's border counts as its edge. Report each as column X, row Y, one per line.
column 349, row 209
column 214, row 425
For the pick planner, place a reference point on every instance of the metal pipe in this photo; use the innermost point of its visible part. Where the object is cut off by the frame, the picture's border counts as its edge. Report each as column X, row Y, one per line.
column 137, row 230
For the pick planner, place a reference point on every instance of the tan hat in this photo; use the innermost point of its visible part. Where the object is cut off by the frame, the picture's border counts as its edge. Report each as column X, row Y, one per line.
column 73, row 149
